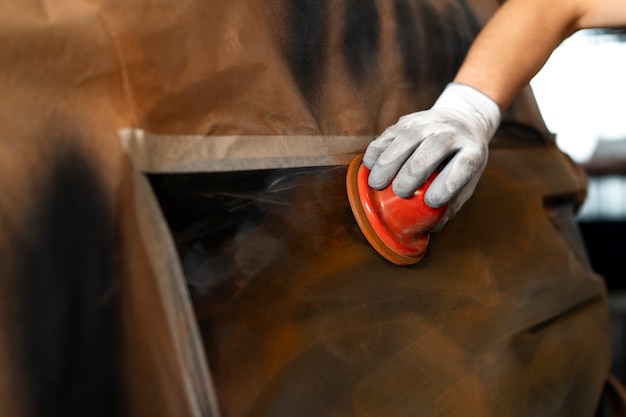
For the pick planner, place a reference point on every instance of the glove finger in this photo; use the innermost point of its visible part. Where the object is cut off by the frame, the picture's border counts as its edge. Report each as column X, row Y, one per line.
column 468, row 163
column 422, row 163
column 392, row 158
column 378, row 146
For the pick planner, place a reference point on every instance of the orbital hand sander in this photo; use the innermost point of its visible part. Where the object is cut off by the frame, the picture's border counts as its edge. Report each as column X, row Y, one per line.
column 398, row 228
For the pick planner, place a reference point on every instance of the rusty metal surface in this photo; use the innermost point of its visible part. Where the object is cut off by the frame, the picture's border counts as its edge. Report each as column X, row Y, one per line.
column 300, row 316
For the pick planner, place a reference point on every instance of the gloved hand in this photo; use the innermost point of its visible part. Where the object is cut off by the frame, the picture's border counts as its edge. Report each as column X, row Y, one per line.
column 456, row 130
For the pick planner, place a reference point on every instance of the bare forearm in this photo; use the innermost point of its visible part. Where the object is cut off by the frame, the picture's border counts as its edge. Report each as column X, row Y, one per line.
column 520, row 37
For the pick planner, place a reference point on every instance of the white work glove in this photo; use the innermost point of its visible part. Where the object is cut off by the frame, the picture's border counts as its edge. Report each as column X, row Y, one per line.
column 457, row 129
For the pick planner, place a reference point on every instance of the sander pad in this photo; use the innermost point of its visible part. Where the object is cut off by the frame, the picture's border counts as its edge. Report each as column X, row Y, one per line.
column 396, row 227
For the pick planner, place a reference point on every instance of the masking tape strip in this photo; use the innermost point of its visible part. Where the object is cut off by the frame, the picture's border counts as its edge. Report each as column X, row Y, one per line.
column 186, row 339
column 154, row 153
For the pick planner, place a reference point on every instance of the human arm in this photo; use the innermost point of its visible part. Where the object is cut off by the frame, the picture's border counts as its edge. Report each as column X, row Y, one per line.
column 520, row 37
column 509, row 51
